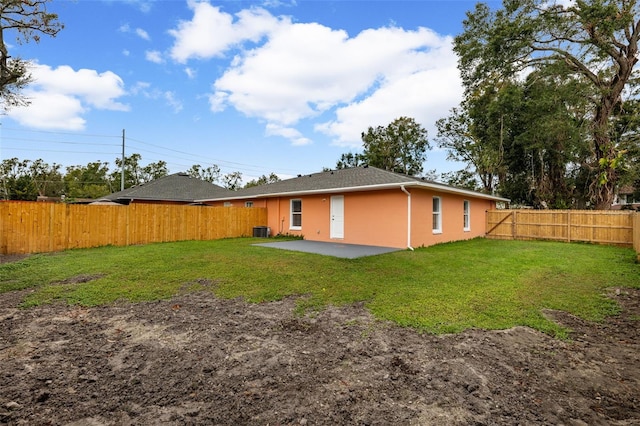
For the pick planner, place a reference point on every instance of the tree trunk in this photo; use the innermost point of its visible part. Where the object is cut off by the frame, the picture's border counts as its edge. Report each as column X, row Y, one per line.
column 603, row 188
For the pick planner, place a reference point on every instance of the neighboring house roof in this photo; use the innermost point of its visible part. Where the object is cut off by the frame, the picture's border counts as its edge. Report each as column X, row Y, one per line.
column 344, row 180
column 626, row 189
column 176, row 187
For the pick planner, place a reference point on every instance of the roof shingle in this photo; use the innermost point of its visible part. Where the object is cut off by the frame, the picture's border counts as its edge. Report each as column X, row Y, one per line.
column 352, row 179
column 176, row 187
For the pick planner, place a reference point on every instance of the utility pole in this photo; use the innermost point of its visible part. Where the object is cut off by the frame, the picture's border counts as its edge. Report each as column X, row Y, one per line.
column 122, row 171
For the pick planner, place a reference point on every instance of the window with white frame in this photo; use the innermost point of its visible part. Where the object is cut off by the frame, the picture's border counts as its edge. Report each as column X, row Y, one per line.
column 437, row 215
column 296, row 215
column 227, row 204
column 248, row 203
column 466, row 215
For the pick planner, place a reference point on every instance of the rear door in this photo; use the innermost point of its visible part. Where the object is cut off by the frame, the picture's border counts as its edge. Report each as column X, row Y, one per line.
column 337, row 217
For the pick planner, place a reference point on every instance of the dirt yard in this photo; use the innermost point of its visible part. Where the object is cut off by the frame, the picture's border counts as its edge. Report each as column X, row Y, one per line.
column 197, row 359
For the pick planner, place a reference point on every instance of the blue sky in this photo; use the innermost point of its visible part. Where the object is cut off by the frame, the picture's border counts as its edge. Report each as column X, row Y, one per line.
column 255, row 87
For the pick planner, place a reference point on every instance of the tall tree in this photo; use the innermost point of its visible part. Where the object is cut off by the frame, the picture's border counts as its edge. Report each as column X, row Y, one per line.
column 595, row 40
column 627, row 135
column 551, row 139
column 16, row 181
column 30, row 19
column 232, row 180
column 399, row 147
column 349, row 159
column 153, row 171
column 26, row 180
column 210, row 174
column 90, row 181
column 46, row 178
column 461, row 179
column 132, row 171
column 135, row 173
column 461, row 136
column 525, row 139
column 263, row 180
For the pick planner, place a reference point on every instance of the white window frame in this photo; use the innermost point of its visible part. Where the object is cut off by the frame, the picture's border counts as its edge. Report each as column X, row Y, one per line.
column 228, row 204
column 296, row 213
column 436, row 219
column 248, row 203
column 466, row 215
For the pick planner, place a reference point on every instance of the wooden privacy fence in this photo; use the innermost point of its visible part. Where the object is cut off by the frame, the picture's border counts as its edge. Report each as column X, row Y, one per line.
column 30, row 227
column 601, row 227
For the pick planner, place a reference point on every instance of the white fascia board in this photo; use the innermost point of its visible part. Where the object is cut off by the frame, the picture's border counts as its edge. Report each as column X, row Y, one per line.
column 449, row 189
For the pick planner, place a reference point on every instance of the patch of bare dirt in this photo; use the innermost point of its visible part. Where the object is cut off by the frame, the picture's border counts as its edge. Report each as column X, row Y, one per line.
column 5, row 258
column 79, row 279
column 197, row 359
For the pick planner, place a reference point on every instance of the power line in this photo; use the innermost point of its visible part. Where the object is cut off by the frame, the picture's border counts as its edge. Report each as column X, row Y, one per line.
column 194, row 158
column 213, row 160
column 11, row 148
column 60, row 142
column 53, row 132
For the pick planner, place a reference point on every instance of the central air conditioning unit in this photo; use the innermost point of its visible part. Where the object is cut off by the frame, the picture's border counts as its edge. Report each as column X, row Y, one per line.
column 261, row 231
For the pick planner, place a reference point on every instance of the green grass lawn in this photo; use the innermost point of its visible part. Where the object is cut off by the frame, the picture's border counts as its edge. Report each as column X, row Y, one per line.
column 445, row 288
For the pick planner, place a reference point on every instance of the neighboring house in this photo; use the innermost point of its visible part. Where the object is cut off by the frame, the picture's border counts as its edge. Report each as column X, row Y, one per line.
column 178, row 188
column 624, row 199
column 367, row 205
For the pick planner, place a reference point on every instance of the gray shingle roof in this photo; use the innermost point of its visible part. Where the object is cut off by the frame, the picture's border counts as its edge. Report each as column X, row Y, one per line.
column 176, row 187
column 344, row 180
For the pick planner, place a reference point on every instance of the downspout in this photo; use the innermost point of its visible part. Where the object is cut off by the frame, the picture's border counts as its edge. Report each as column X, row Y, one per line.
column 408, row 216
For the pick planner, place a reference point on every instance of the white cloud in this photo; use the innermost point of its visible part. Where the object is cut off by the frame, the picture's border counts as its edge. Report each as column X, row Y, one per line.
column 291, row 72
column 126, row 28
column 425, row 96
column 139, row 87
column 279, row 3
column 143, row 34
column 304, row 70
column 170, row 99
column 143, row 5
column 145, row 89
column 564, row 3
column 60, row 96
column 153, row 56
column 52, row 111
column 211, row 32
column 191, row 73
column 290, row 133
column 217, row 101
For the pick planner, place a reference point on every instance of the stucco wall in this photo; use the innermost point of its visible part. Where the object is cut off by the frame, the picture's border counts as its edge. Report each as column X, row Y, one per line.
column 377, row 218
column 452, row 207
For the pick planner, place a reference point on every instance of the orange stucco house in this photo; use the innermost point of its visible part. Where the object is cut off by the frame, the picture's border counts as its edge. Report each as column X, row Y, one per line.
column 367, row 205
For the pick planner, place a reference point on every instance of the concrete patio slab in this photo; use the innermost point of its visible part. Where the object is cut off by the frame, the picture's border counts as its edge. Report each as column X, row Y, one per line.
column 348, row 251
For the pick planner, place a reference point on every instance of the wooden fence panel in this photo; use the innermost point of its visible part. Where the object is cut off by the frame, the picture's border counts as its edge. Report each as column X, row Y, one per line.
column 600, row 227
column 500, row 224
column 30, row 227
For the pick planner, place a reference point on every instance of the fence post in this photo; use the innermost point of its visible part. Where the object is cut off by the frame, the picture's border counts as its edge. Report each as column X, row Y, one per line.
column 3, row 235
column 636, row 234
column 514, row 224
